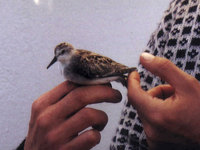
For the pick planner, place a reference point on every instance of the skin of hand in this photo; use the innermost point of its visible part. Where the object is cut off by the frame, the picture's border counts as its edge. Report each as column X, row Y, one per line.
column 59, row 117
column 170, row 113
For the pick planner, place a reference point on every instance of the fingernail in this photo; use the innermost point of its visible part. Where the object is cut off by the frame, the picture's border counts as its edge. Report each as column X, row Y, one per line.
column 147, row 56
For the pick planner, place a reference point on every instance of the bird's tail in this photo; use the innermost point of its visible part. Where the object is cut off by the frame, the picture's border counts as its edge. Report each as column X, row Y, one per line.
column 124, row 81
column 124, row 78
column 128, row 70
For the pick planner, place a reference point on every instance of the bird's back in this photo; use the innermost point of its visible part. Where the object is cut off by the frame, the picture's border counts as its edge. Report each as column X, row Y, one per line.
column 93, row 65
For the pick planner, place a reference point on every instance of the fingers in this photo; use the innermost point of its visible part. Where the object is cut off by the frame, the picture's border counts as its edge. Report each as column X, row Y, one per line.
column 164, row 69
column 85, row 141
column 76, row 99
column 83, row 96
column 54, row 95
column 135, row 92
column 60, row 91
column 87, row 117
column 50, row 97
column 59, row 116
column 161, row 91
column 137, row 96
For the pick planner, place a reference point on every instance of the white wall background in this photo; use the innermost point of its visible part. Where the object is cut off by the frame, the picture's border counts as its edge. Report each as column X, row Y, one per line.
column 29, row 31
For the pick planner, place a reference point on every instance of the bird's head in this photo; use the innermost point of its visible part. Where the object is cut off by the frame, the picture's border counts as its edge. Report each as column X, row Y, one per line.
column 63, row 52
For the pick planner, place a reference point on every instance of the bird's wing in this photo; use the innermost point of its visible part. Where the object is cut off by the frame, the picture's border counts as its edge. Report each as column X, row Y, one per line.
column 92, row 65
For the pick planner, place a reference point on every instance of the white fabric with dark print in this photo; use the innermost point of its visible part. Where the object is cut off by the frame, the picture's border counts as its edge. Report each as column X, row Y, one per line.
column 177, row 38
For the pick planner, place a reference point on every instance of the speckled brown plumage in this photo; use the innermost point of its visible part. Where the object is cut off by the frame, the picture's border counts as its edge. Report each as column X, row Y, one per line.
column 97, row 66
column 86, row 67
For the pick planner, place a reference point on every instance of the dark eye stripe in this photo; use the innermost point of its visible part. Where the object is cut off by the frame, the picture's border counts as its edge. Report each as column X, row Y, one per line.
column 62, row 52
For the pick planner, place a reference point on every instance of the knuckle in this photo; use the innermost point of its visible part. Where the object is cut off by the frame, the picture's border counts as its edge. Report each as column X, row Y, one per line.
column 87, row 114
column 36, row 106
column 94, row 137
column 93, row 116
column 50, row 138
column 42, row 122
column 36, row 109
column 77, row 96
column 31, row 124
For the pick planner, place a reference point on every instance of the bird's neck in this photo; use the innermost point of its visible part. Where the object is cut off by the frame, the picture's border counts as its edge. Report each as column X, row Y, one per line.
column 65, row 60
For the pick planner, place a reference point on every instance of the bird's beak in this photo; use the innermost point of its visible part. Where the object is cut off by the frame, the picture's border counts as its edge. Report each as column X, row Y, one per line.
column 52, row 62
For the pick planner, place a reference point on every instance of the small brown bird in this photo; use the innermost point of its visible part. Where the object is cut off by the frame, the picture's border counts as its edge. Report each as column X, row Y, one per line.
column 88, row 68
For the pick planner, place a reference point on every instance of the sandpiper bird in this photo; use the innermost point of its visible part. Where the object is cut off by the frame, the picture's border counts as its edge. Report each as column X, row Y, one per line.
column 88, row 68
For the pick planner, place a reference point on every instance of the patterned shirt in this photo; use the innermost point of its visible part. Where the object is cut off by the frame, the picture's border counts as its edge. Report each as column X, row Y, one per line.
column 177, row 38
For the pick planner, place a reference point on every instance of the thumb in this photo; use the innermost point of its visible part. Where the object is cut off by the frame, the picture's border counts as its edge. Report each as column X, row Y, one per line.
column 165, row 69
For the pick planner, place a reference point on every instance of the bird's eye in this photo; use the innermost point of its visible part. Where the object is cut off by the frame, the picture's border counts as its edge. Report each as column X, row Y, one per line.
column 62, row 52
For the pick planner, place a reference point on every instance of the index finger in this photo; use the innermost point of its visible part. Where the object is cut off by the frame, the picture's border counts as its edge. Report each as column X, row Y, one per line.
column 165, row 69
column 83, row 96
column 139, row 98
column 57, row 93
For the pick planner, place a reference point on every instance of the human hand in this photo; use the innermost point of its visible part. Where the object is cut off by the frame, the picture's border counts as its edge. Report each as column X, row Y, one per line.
column 169, row 113
column 58, row 117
